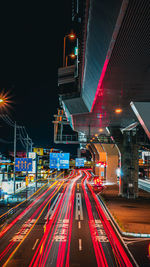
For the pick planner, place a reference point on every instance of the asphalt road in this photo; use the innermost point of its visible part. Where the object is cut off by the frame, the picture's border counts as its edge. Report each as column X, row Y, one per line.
column 63, row 225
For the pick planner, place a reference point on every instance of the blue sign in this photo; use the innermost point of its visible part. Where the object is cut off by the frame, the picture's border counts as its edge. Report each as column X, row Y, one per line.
column 23, row 164
column 79, row 162
column 59, row 160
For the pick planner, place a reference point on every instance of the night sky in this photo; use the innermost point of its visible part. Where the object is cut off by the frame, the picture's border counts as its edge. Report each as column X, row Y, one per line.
column 30, row 52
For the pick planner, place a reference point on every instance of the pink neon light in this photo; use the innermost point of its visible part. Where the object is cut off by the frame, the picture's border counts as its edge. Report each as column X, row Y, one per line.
column 100, row 82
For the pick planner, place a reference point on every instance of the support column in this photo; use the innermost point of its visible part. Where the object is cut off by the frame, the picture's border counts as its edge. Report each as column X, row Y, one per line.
column 129, row 163
column 112, row 162
column 95, row 157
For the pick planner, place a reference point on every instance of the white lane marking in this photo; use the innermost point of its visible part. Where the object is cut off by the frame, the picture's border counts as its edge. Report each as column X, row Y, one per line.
column 62, row 230
column 80, row 244
column 79, row 210
column 79, row 225
column 23, row 230
column 37, row 240
column 51, row 209
column 100, row 235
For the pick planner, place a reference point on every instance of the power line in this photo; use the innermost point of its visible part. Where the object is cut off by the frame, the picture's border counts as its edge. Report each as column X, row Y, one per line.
column 6, row 120
column 22, row 135
column 5, row 141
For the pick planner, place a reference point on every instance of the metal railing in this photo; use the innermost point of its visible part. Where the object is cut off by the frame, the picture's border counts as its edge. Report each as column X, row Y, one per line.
column 83, row 139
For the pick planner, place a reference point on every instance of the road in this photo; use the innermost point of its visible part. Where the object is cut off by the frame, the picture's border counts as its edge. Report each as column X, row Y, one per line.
column 63, row 225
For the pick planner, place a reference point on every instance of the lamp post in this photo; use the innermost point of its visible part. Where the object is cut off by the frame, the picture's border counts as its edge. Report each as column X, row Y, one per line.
column 71, row 36
column 72, row 56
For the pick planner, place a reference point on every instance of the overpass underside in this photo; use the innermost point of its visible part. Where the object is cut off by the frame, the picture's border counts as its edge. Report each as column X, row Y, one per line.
column 115, row 75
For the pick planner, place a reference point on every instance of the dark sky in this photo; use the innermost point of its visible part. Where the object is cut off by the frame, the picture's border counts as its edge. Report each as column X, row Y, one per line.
column 30, row 52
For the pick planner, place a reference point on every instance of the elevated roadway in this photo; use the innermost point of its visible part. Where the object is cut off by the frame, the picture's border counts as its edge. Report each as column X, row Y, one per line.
column 113, row 96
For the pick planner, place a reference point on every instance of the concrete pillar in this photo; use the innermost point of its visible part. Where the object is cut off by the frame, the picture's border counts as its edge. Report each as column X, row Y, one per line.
column 102, row 158
column 106, row 153
column 95, row 157
column 129, row 167
column 112, row 162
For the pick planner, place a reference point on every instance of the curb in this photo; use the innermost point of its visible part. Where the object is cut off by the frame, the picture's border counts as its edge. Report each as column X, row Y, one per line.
column 130, row 234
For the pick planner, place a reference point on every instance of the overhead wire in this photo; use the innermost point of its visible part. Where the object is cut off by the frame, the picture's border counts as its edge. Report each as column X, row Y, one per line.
column 5, row 141
column 6, row 120
column 22, row 135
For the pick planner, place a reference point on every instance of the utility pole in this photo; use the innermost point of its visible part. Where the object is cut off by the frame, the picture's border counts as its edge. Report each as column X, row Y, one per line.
column 14, row 153
column 31, row 145
column 27, row 148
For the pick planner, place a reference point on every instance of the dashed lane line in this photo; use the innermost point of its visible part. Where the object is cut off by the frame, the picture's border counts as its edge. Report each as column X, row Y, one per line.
column 37, row 240
column 79, row 225
column 80, row 244
column 79, row 210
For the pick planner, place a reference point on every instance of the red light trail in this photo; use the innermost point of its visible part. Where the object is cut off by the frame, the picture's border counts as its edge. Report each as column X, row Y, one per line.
column 59, row 227
column 120, row 254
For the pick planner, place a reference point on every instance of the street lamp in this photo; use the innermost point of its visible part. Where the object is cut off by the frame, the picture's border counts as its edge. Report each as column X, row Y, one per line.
column 72, row 56
column 5, row 99
column 118, row 110
column 71, row 36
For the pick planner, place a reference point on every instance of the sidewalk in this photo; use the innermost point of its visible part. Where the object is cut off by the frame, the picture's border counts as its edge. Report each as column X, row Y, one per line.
column 132, row 215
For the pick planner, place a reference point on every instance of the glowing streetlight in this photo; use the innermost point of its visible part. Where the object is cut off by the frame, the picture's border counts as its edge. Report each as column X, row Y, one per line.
column 118, row 110
column 72, row 56
column 5, row 99
column 71, row 36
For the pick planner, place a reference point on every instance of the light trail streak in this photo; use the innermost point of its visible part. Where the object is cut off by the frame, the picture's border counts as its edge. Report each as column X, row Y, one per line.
column 12, row 254
column 120, row 254
column 25, row 227
column 25, row 211
column 50, row 226
column 62, row 246
column 99, row 253
column 43, row 251
column 25, row 199
column 5, row 251
column 70, row 230
column 62, row 204
column 22, row 201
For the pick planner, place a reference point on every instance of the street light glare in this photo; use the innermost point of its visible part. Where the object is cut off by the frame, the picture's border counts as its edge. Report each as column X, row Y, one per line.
column 5, row 100
column 118, row 110
column 72, row 36
column 73, row 56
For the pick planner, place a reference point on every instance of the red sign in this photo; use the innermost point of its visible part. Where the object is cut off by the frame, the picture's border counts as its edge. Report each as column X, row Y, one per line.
column 19, row 154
